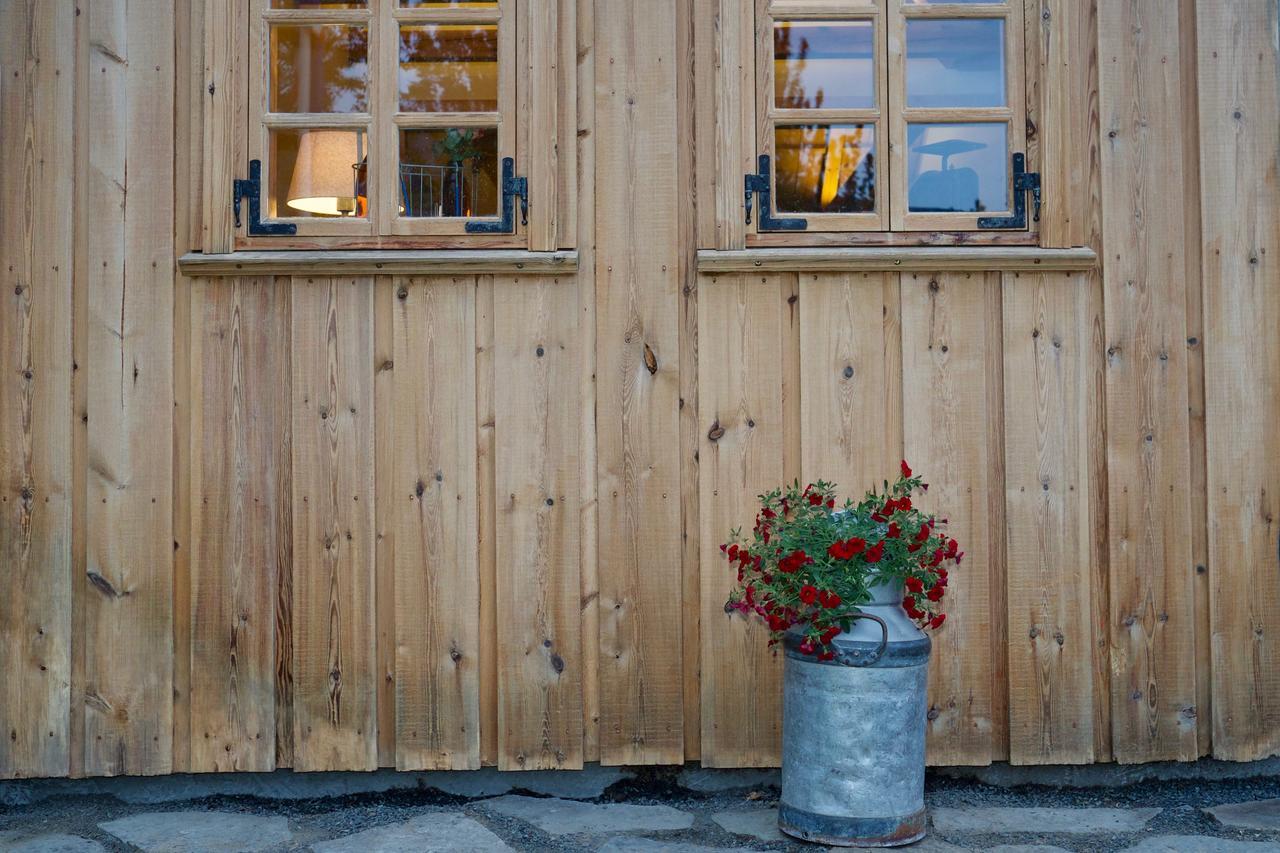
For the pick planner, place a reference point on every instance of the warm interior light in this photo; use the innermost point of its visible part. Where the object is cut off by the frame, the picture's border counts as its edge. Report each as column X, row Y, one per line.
column 324, row 175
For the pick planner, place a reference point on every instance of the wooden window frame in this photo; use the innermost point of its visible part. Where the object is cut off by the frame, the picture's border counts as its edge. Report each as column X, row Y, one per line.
column 384, row 228
column 893, row 224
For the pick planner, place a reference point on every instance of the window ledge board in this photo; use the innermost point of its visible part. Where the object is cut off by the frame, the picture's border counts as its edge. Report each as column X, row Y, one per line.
column 891, row 258
column 395, row 262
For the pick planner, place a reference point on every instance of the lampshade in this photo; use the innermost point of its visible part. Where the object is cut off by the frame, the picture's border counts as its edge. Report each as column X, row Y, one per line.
column 324, row 173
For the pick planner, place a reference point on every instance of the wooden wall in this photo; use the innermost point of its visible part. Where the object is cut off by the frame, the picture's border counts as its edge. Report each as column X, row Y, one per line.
column 326, row 521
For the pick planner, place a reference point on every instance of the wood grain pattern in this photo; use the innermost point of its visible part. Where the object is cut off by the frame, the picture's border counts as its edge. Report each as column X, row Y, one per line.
column 740, row 339
column 1153, row 692
column 539, row 641
column 225, row 84
column 486, row 521
column 638, row 388
column 1046, row 421
column 334, row 646
column 385, row 512
column 850, row 401
column 240, row 424
column 37, row 65
column 945, row 374
column 437, row 602
column 128, row 629
column 1239, row 97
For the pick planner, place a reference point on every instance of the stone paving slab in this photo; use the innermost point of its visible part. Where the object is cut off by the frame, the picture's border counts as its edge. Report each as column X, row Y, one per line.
column 206, row 832
column 648, row 845
column 1260, row 814
column 569, row 817
column 1200, row 844
column 1040, row 820
column 757, row 823
column 12, row 842
column 436, row 832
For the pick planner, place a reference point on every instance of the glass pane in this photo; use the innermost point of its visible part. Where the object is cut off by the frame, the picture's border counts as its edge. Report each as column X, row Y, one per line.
column 955, row 63
column 465, row 4
column 827, row 65
column 449, row 68
column 825, row 168
column 319, row 68
column 318, row 173
column 449, row 172
column 308, row 5
column 957, row 167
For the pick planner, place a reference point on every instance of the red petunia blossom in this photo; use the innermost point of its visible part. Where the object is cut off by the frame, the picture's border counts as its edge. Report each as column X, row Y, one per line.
column 808, row 594
column 806, row 647
column 906, row 469
column 904, row 504
column 830, row 634
column 916, row 614
column 874, row 554
column 913, row 547
column 768, row 513
column 827, row 655
column 936, row 593
column 908, row 602
column 814, row 499
column 923, row 535
column 894, row 530
column 828, row 599
column 915, row 585
column 831, row 503
column 856, row 545
column 936, row 622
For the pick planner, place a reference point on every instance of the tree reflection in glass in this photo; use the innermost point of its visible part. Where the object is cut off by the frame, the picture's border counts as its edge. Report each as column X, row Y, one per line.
column 319, row 68
column 448, row 68
column 825, row 168
column 824, row 65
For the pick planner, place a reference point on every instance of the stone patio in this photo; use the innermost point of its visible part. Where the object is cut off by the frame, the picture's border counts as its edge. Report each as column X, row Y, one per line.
column 654, row 812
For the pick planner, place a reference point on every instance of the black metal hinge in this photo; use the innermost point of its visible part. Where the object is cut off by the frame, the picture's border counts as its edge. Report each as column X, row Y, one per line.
column 759, row 185
column 251, row 190
column 1023, row 182
column 511, row 187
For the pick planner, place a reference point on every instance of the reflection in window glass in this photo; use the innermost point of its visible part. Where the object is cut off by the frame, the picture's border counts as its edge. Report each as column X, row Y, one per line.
column 821, row 65
column 825, row 168
column 449, row 68
column 945, row 2
column 309, row 5
column 957, row 167
column 466, row 4
column 319, row 68
column 318, row 173
column 449, row 172
column 955, row 63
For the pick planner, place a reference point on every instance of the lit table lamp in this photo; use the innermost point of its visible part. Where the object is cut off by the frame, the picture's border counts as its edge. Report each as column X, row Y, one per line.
column 324, row 174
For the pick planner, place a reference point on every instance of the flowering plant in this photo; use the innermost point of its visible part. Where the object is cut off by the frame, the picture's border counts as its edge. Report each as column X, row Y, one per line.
column 810, row 565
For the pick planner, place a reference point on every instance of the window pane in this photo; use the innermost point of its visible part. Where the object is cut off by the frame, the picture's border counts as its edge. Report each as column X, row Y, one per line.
column 308, row 5
column 318, row 173
column 449, row 68
column 825, row 168
column 827, row 65
column 319, row 68
column 449, row 172
column 955, row 63
column 466, row 4
column 957, row 167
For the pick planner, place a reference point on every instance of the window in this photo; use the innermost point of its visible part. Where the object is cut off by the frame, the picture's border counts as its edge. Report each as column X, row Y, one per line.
column 891, row 115
column 383, row 118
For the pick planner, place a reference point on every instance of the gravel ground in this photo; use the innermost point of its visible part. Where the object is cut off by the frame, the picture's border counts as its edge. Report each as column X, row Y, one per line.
column 317, row 819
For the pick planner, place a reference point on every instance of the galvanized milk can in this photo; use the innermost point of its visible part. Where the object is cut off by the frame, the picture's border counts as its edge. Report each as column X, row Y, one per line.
column 853, row 732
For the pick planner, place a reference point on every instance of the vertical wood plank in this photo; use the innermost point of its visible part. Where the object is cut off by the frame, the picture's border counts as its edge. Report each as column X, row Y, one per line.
column 240, row 422
column 334, row 648
column 945, row 376
column 539, row 643
column 638, row 386
column 225, row 84
column 385, row 520
column 1153, row 692
column 740, row 339
column 128, row 618
column 540, row 83
column 850, row 407
column 1239, row 97
column 486, row 521
column 1047, row 335
column 37, row 100
column 734, row 139
column 437, row 603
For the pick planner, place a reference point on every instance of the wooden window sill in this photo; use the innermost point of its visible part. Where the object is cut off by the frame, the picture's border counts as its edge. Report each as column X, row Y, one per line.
column 399, row 262
column 891, row 258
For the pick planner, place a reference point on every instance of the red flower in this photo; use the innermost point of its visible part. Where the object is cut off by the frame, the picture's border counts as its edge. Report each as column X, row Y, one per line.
column 906, row 469
column 827, row 655
column 916, row 614
column 915, row 585
column 814, row 499
column 913, row 547
column 831, row 503
column 904, row 504
column 953, row 548
column 936, row 622
column 908, row 603
column 874, row 554
column 768, row 513
column 923, row 535
column 830, row 634
column 808, row 594
column 806, row 646
column 828, row 599
column 935, row 593
column 856, row 545
column 894, row 530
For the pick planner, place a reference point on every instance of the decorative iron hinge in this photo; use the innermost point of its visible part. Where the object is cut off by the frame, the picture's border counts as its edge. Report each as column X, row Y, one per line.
column 251, row 190
column 511, row 187
column 759, row 185
column 1023, row 182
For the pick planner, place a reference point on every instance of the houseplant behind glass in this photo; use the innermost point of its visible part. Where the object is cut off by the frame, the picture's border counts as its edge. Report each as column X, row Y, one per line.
column 843, row 589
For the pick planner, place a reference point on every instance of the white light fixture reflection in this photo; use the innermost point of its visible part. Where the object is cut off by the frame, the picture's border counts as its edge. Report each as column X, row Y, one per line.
column 325, row 173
